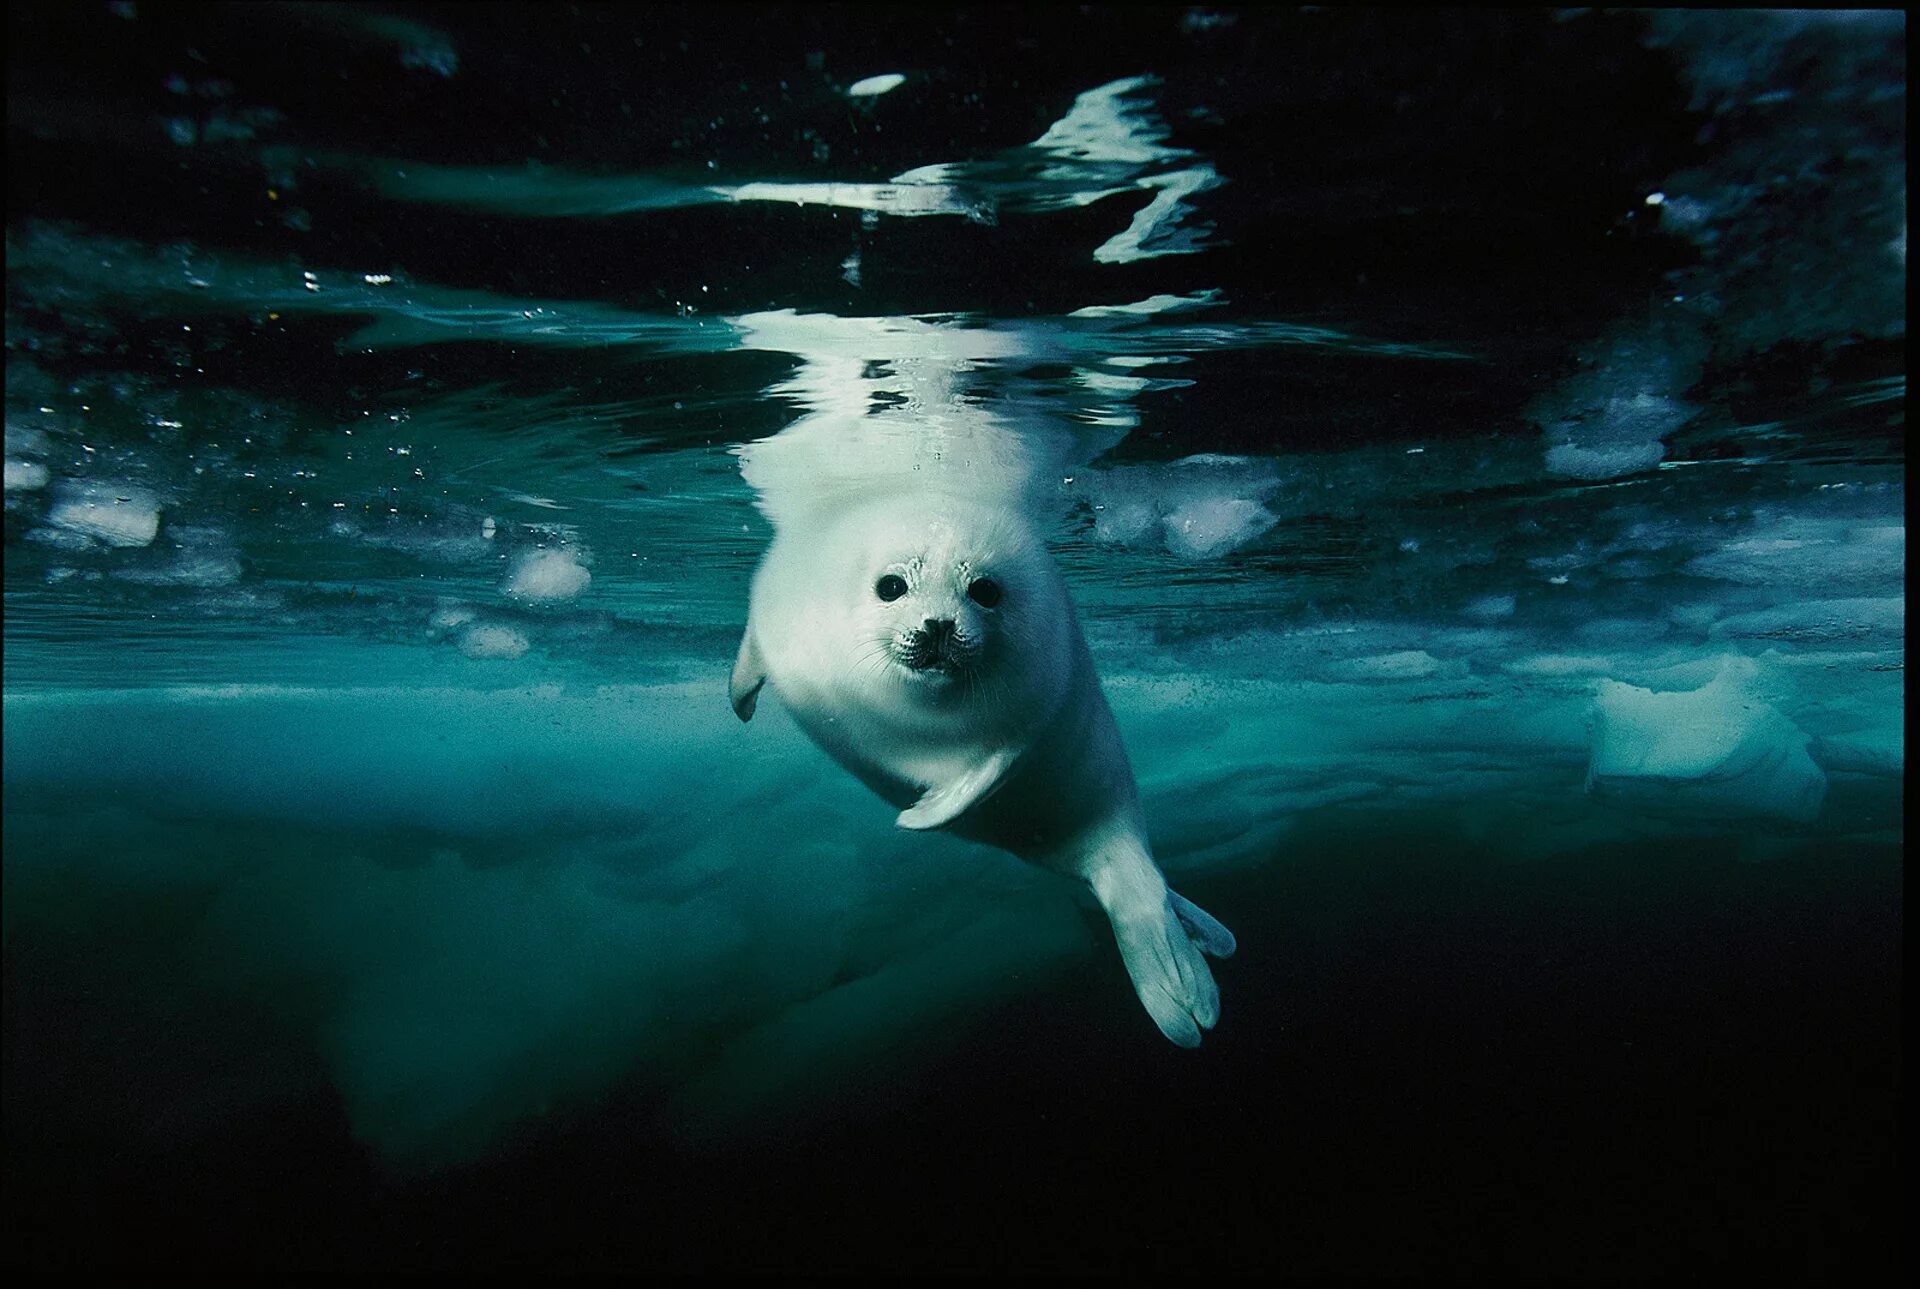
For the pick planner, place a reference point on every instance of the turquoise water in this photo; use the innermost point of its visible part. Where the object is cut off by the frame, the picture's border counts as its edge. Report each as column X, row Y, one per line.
column 1502, row 604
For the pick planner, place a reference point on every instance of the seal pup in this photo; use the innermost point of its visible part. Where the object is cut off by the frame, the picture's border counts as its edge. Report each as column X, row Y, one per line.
column 925, row 640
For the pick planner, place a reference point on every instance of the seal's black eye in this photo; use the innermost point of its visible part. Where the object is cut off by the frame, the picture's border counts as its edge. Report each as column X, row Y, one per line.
column 890, row 587
column 984, row 591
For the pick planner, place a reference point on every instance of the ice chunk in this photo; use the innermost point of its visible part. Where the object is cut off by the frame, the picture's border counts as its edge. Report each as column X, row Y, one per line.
column 1714, row 752
column 1206, row 505
column 1610, row 462
column 1698, row 614
column 1609, row 418
column 450, row 615
column 203, row 557
column 23, row 440
column 1809, row 552
column 1560, row 664
column 547, row 577
column 487, row 641
column 204, row 569
column 62, row 539
column 1216, row 525
column 1114, row 123
column 1820, row 620
column 118, row 514
column 1122, row 523
column 1406, row 664
column 874, row 86
column 892, row 199
column 25, row 476
column 1881, row 752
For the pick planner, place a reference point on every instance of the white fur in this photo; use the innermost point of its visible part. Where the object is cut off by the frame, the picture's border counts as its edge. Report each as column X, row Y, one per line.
column 1016, row 748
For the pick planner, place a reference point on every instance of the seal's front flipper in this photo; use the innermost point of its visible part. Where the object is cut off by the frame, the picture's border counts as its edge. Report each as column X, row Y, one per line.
column 748, row 676
column 941, row 805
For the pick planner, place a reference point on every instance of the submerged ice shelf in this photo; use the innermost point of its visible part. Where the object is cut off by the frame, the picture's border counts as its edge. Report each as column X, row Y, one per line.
column 1716, row 749
column 444, row 885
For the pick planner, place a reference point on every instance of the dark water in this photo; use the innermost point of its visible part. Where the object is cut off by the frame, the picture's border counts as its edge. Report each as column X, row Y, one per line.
column 1479, row 443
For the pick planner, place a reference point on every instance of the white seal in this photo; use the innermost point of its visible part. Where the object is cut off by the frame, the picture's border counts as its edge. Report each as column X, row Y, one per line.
column 925, row 640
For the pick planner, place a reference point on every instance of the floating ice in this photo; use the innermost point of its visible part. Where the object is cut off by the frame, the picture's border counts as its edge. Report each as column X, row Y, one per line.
column 61, row 539
column 1561, row 664
column 1404, row 664
column 1201, row 506
column 1881, row 752
column 1215, row 525
column 874, row 86
column 1716, row 751
column 1603, row 463
column 25, row 476
column 485, row 641
column 1808, row 620
column 1609, row 418
column 203, row 557
column 1123, row 522
column 547, row 577
column 1804, row 551
column 449, row 616
column 118, row 514
column 23, row 440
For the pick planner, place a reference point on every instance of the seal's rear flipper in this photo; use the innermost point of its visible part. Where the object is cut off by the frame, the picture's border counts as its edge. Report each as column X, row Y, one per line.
column 748, row 676
column 1213, row 939
column 1169, row 975
column 1161, row 937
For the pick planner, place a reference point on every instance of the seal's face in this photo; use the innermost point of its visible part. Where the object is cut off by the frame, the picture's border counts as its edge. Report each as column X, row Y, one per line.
column 938, row 599
column 938, row 620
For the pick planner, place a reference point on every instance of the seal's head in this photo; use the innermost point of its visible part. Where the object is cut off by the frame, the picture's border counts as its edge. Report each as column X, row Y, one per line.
column 946, row 647
column 945, row 592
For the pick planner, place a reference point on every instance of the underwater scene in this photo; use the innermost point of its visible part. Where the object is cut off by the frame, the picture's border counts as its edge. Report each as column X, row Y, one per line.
column 805, row 639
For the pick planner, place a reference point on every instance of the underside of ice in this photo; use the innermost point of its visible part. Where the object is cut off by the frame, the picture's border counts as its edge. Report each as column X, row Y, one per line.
column 1714, row 751
column 117, row 514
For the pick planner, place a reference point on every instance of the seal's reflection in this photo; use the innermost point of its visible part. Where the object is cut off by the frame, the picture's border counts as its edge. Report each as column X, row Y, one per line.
column 909, row 616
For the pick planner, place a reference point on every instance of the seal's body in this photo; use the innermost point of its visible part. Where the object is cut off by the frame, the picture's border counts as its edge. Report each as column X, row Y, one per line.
column 927, row 642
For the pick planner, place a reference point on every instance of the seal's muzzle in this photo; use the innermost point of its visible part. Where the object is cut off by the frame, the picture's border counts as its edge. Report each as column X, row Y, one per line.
column 933, row 646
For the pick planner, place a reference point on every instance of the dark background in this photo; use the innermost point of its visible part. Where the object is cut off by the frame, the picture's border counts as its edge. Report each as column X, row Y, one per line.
column 1438, row 1061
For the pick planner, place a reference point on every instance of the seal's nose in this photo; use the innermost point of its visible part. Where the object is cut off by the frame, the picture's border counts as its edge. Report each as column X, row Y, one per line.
column 939, row 630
